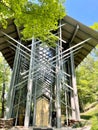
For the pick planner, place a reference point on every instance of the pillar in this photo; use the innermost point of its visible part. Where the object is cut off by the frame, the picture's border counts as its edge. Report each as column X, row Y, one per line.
column 74, row 98
column 29, row 89
column 11, row 92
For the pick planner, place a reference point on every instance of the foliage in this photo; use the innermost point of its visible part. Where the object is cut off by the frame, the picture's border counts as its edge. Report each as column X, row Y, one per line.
column 92, row 117
column 87, row 83
column 4, row 82
column 38, row 18
column 94, row 123
column 95, row 26
column 79, row 124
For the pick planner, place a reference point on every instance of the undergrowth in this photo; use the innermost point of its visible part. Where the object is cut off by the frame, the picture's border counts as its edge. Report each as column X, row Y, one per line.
column 92, row 117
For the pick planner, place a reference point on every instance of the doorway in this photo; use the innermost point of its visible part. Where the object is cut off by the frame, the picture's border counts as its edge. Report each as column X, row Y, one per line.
column 42, row 112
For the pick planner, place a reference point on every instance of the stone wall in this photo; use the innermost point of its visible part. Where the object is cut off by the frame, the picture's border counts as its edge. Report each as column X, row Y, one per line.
column 6, row 123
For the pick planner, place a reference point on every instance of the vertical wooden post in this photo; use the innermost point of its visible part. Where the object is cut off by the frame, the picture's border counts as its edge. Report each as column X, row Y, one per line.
column 50, row 108
column 74, row 99
column 29, row 87
column 11, row 90
column 58, row 80
column 72, row 114
column 34, row 98
column 58, row 105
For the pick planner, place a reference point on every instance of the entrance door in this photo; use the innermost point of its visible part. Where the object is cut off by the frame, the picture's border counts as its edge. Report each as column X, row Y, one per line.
column 42, row 112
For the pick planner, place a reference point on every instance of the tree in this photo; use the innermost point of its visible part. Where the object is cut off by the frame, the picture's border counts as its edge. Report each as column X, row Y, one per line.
column 95, row 26
column 37, row 17
column 87, row 74
column 4, row 82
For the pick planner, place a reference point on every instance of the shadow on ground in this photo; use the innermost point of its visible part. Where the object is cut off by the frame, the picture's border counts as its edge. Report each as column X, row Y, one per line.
column 86, row 117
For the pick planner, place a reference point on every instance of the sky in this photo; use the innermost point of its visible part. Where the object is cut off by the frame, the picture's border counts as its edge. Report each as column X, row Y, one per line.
column 85, row 11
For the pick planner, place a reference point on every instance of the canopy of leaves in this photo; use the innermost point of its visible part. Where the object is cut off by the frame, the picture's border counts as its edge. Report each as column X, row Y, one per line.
column 37, row 17
column 95, row 26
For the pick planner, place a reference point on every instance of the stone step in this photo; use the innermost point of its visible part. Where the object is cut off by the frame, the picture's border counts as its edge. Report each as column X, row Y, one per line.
column 40, row 128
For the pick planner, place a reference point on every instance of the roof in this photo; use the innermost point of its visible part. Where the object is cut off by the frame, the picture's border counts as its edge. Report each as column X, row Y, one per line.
column 73, row 32
column 5, row 47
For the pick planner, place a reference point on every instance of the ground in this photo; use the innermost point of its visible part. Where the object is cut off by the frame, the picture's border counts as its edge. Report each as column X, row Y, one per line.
column 63, row 128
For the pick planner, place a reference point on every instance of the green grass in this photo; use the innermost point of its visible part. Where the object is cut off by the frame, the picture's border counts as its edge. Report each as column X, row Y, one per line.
column 94, row 123
column 89, row 114
column 92, row 117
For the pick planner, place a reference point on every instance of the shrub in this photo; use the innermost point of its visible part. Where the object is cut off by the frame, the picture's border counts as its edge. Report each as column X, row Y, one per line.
column 79, row 124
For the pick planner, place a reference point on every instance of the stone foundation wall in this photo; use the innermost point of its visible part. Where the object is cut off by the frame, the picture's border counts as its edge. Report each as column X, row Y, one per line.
column 6, row 123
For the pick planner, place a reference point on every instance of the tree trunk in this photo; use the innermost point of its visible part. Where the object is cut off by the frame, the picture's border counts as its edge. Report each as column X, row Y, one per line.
column 3, row 100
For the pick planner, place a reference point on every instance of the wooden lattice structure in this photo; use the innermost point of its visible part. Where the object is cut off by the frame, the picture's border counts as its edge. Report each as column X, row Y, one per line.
column 42, row 74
